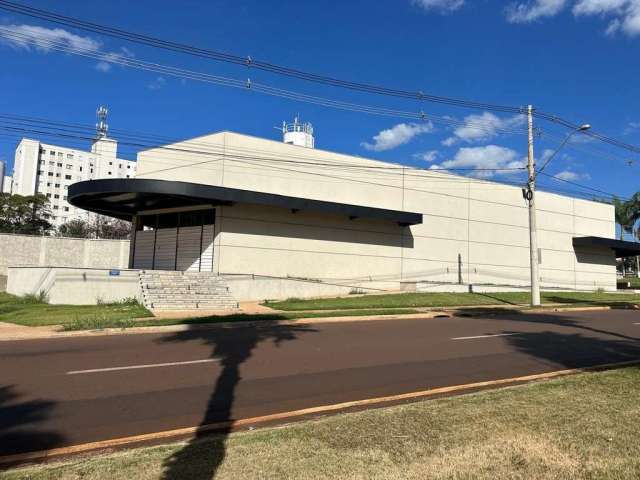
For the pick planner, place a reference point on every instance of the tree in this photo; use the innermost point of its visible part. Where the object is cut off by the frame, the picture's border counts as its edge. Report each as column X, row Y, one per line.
column 24, row 214
column 77, row 228
column 113, row 228
column 625, row 215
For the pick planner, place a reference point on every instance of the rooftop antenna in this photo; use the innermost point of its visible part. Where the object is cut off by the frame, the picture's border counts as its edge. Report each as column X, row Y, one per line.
column 101, row 127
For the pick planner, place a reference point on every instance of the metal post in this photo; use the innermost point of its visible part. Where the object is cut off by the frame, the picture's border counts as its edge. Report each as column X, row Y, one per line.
column 530, row 197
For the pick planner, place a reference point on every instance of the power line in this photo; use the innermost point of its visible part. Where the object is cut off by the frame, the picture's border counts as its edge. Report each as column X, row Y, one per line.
column 287, row 71
column 245, row 61
column 476, row 124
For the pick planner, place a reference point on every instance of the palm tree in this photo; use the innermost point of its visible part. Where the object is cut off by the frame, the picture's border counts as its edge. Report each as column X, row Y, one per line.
column 625, row 217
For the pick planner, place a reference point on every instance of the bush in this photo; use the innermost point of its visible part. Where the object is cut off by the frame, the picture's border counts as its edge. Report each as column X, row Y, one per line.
column 31, row 298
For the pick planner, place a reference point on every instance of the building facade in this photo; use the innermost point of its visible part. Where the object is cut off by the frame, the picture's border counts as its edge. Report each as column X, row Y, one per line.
column 50, row 170
column 251, row 208
column 3, row 170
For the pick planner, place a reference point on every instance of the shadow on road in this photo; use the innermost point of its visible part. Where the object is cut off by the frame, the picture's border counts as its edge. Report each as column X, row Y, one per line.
column 574, row 350
column 18, row 424
column 200, row 460
column 570, row 342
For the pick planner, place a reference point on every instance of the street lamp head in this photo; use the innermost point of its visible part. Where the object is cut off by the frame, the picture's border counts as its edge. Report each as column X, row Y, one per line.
column 584, row 128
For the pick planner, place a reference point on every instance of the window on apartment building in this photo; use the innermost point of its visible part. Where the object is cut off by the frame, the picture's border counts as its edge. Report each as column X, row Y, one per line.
column 60, row 155
column 80, row 168
column 55, row 207
column 57, row 175
column 91, row 171
column 119, row 165
column 48, row 184
column 42, row 162
column 66, row 187
column 48, row 195
column 53, row 164
column 128, row 166
column 40, row 172
column 69, row 166
column 109, row 173
column 52, row 153
column 50, row 174
column 56, row 196
column 64, row 198
column 57, row 185
column 70, row 156
column 59, row 164
column 67, row 177
column 66, row 209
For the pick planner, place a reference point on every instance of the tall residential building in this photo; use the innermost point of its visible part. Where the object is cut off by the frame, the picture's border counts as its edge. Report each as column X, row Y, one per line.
column 3, row 169
column 50, row 169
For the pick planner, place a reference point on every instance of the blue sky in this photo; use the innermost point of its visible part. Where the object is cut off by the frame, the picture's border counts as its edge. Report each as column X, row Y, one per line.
column 574, row 58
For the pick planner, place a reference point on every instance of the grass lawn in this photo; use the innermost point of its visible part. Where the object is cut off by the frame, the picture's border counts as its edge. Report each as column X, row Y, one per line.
column 408, row 300
column 30, row 312
column 591, row 432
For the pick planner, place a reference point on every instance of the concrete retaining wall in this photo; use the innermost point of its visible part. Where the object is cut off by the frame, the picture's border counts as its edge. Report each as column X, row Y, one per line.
column 30, row 250
column 75, row 286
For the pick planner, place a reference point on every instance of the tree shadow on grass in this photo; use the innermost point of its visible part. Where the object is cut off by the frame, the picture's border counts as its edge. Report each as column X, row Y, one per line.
column 18, row 425
column 200, row 460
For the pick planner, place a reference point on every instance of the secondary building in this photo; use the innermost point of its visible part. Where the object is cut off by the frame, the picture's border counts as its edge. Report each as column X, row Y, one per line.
column 50, row 169
column 278, row 219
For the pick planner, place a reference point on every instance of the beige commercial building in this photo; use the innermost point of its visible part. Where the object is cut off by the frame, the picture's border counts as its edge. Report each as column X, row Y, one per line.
column 291, row 220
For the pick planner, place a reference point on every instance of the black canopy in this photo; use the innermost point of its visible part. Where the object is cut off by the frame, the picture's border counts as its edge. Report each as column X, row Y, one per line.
column 122, row 198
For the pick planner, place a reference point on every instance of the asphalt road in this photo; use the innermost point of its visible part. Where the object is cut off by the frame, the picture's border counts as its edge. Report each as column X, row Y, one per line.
column 68, row 391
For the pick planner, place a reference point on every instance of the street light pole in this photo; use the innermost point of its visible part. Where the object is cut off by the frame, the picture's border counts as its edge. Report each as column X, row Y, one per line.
column 530, row 197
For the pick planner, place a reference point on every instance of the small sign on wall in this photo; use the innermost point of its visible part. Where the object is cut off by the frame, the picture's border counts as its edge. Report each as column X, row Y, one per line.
column 114, row 273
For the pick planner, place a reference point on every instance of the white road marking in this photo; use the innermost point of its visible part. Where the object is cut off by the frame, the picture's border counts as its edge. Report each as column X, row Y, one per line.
column 637, row 323
column 484, row 336
column 149, row 365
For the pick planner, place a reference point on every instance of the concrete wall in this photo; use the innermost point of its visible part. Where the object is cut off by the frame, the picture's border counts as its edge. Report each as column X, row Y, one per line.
column 75, row 286
column 482, row 224
column 29, row 250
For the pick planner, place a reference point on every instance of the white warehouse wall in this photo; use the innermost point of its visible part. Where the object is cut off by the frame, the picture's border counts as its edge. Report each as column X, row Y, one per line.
column 483, row 224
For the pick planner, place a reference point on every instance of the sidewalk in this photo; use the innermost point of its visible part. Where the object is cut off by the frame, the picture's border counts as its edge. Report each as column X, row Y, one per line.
column 11, row 332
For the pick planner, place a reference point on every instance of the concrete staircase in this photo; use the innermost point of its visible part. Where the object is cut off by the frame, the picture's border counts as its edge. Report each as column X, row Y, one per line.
column 169, row 290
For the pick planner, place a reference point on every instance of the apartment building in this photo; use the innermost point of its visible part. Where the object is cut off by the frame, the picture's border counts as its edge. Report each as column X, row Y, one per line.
column 50, row 169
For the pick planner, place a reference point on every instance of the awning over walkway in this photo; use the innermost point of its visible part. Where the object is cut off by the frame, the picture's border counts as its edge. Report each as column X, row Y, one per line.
column 122, row 198
column 620, row 247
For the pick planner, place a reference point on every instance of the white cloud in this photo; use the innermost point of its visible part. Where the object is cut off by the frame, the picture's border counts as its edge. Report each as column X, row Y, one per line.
column 108, row 59
column 157, row 84
column 428, row 156
column 526, row 12
column 442, row 6
column 28, row 37
column 631, row 127
column 624, row 14
column 485, row 157
column 397, row 135
column 41, row 39
column 482, row 127
column 572, row 176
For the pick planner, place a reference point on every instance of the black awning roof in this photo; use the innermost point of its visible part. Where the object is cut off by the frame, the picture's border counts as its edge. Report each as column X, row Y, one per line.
column 620, row 247
column 122, row 198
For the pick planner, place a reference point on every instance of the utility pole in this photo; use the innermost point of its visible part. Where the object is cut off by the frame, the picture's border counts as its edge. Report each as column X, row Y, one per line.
column 529, row 195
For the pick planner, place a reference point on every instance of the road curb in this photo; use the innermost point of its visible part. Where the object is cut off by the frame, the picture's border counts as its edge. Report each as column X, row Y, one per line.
column 436, row 312
column 302, row 413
